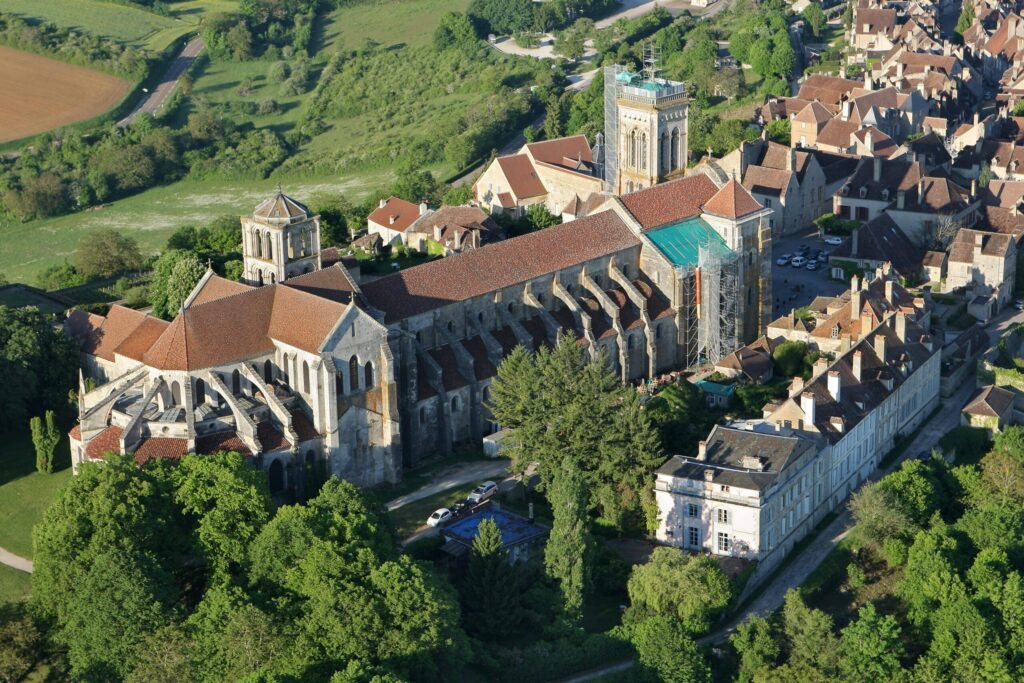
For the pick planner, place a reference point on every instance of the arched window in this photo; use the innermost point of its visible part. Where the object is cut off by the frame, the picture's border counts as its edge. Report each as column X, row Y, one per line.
column 368, row 371
column 289, row 240
column 285, row 374
column 632, row 149
column 455, row 404
column 276, row 477
column 643, row 151
column 269, row 248
column 353, row 373
column 236, row 382
column 629, row 187
column 258, row 239
column 675, row 149
column 664, row 154
column 175, row 393
column 200, row 391
column 259, row 277
column 268, row 371
column 305, row 377
column 273, row 278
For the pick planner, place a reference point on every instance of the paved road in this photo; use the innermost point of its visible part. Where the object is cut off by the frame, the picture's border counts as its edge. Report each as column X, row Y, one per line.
column 16, row 561
column 155, row 99
column 457, row 475
column 773, row 594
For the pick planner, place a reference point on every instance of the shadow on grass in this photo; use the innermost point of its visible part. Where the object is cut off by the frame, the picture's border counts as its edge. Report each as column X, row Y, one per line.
column 18, row 456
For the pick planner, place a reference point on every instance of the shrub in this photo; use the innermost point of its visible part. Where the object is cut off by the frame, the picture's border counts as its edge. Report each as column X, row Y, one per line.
column 895, row 552
column 855, row 576
column 278, row 72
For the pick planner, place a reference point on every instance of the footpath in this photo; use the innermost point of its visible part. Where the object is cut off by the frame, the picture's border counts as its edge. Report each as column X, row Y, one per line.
column 15, row 561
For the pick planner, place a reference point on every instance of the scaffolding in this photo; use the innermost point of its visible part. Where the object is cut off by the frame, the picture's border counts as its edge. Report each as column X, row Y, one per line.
column 690, row 280
column 717, row 300
column 611, row 127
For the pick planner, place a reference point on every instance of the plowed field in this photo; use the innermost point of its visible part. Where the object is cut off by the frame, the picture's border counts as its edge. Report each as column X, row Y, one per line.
column 42, row 93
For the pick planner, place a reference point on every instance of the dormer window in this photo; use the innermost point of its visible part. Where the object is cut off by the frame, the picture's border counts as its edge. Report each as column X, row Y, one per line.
column 863, row 192
column 835, row 331
column 885, row 194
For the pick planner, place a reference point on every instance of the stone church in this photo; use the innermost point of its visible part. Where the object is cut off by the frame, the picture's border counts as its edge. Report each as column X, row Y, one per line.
column 308, row 370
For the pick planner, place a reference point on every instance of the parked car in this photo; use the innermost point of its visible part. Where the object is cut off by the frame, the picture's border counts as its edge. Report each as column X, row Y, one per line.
column 812, row 265
column 834, row 241
column 803, row 250
column 1019, row 304
column 822, row 256
column 439, row 517
column 783, row 260
column 482, row 492
column 798, row 262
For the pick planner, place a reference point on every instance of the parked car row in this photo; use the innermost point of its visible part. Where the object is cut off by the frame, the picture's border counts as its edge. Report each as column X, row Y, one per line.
column 443, row 516
column 803, row 258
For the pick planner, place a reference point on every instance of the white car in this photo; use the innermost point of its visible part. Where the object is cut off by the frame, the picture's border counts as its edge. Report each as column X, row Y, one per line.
column 812, row 265
column 482, row 492
column 798, row 262
column 1019, row 304
column 439, row 517
column 782, row 260
column 834, row 241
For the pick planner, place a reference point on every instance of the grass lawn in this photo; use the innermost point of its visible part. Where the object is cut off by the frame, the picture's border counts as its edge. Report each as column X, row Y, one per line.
column 151, row 216
column 14, row 585
column 412, row 517
column 24, row 493
column 121, row 22
column 388, row 22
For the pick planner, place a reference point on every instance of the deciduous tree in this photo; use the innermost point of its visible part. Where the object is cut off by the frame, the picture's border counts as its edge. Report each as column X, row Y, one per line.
column 667, row 652
column 568, row 549
column 45, row 439
column 691, row 589
column 103, row 253
column 871, row 647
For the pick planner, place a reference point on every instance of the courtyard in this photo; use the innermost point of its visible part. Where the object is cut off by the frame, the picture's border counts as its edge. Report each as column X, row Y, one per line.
column 796, row 287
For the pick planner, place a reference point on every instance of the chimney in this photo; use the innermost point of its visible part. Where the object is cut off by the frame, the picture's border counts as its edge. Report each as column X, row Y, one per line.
column 876, row 174
column 437, row 233
column 866, row 323
column 837, row 423
column 920, row 191
column 901, row 326
column 423, row 208
column 807, row 406
column 391, row 219
column 901, row 199
column 855, row 301
column 880, row 346
column 858, row 358
column 702, row 450
column 899, row 69
column 846, row 110
column 792, row 317
column 835, row 388
column 871, row 148
column 979, row 240
column 709, row 474
column 868, row 85
column 382, row 203
column 796, row 386
column 820, row 365
column 844, row 342
column 888, row 292
column 977, row 118
column 974, row 189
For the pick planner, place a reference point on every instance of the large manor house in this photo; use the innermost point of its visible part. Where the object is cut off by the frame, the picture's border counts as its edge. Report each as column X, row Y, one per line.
column 309, row 367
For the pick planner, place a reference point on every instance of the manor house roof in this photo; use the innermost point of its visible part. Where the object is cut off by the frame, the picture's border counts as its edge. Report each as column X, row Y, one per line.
column 495, row 266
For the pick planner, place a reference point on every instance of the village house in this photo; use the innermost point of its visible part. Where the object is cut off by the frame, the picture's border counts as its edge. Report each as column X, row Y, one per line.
column 989, row 408
column 451, row 229
column 392, row 219
column 875, row 243
column 986, row 264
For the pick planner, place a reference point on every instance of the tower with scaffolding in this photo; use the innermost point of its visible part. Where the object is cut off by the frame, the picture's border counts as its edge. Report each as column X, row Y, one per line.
column 646, row 125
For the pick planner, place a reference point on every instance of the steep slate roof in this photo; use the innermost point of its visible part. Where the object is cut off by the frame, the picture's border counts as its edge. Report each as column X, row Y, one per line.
column 992, row 244
column 521, row 177
column 882, row 240
column 492, row 267
column 727, row 450
column 404, row 214
column 732, row 201
column 990, row 401
column 896, row 174
column 670, row 202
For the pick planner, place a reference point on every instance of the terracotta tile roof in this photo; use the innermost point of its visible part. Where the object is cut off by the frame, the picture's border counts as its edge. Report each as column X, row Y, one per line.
column 753, row 363
column 333, row 283
column 470, row 217
column 732, row 201
column 142, row 338
column 221, row 441
column 830, row 89
column 303, row 427
column 84, row 329
column 1003, row 193
column 101, row 335
column 936, row 122
column 396, row 214
column 670, row 202
column 881, row 144
column 815, row 112
column 215, row 287
column 521, row 176
column 990, row 401
column 107, row 441
column 242, row 326
column 492, row 267
column 934, row 259
column 837, row 132
column 506, row 200
column 482, row 366
column 160, row 448
column 562, row 152
column 452, row 379
column 270, row 438
column 878, row 20
column 76, row 433
column 766, row 180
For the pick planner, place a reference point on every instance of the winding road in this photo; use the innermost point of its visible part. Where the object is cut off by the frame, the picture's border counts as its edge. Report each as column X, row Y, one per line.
column 154, row 99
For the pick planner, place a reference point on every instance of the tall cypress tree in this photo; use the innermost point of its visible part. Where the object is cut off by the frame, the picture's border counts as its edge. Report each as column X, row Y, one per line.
column 490, row 592
column 567, row 554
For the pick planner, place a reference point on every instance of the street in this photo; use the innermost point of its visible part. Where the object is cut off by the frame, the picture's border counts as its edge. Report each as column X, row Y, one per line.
column 152, row 101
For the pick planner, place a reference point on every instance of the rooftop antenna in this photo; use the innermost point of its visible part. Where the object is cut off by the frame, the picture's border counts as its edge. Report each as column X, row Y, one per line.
column 652, row 57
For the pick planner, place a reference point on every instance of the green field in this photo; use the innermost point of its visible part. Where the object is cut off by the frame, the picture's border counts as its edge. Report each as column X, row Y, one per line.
column 15, row 585
column 150, row 217
column 122, row 23
column 388, row 22
column 24, row 493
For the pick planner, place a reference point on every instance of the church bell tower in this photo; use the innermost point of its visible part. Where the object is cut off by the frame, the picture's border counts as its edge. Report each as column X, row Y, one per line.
column 279, row 240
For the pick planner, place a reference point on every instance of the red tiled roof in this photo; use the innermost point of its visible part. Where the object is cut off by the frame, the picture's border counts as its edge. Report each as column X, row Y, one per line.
column 732, row 201
column 216, row 287
column 270, row 438
column 162, row 448
column 404, row 214
column 221, row 441
column 76, row 433
column 332, row 283
column 669, row 202
column 100, row 336
column 556, row 152
column 492, row 267
column 142, row 338
column 830, row 89
column 303, row 427
column 521, row 176
column 107, row 441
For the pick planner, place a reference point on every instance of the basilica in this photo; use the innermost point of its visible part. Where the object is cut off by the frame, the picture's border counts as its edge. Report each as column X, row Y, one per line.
column 312, row 369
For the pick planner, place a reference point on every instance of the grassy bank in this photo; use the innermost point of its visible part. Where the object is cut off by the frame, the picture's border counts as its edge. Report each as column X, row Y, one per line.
column 24, row 493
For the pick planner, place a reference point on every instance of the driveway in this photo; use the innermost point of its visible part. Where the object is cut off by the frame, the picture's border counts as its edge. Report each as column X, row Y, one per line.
column 457, row 475
column 155, row 99
column 15, row 561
